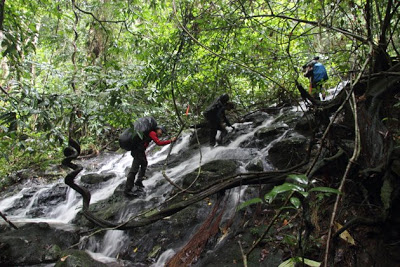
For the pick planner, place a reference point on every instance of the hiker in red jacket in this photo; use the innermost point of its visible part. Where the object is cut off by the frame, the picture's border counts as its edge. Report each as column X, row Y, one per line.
column 140, row 160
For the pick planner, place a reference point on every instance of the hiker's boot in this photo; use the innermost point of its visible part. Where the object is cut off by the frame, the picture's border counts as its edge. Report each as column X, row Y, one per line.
column 139, row 184
column 129, row 184
column 139, row 180
column 129, row 193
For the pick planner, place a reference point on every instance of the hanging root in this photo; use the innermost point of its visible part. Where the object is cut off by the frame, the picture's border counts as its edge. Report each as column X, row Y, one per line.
column 71, row 153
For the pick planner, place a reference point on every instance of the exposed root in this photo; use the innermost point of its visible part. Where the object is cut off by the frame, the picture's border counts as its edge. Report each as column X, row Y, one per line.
column 193, row 249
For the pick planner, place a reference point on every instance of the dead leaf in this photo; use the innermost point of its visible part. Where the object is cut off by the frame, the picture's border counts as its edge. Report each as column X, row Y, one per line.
column 135, row 250
column 64, row 258
column 345, row 235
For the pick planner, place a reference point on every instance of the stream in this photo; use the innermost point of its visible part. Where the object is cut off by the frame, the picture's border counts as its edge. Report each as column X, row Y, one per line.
column 19, row 207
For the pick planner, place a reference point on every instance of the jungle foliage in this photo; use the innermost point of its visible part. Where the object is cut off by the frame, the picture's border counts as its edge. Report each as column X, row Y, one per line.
column 87, row 69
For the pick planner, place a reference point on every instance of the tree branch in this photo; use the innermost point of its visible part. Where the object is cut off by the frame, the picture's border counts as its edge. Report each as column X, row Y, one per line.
column 350, row 164
column 314, row 23
column 3, row 90
column 7, row 221
column 2, row 4
column 219, row 55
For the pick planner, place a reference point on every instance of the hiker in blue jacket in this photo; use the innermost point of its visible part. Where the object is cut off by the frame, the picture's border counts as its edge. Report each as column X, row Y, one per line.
column 317, row 74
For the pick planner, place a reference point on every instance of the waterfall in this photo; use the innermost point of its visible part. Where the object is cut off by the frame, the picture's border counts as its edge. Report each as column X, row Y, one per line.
column 107, row 248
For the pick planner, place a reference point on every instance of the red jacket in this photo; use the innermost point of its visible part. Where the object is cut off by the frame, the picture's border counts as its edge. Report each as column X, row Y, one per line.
column 154, row 137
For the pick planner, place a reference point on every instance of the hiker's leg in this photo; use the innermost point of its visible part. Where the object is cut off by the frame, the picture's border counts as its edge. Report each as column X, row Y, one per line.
column 224, row 132
column 213, row 126
column 315, row 90
column 213, row 133
column 322, row 89
column 132, row 172
column 143, row 167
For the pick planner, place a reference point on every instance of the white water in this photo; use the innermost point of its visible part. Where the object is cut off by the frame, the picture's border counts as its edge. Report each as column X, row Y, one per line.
column 107, row 248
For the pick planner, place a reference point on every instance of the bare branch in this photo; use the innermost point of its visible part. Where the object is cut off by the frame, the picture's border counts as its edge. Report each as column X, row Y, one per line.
column 314, row 23
column 3, row 90
column 97, row 19
column 7, row 221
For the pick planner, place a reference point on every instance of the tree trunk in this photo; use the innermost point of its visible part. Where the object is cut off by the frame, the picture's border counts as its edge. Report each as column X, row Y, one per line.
column 2, row 4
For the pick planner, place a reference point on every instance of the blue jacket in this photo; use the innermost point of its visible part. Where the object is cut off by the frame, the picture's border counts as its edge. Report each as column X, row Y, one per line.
column 319, row 72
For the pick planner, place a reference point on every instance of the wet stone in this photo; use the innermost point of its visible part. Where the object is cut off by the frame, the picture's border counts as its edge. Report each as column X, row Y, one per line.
column 288, row 152
column 96, row 178
column 255, row 165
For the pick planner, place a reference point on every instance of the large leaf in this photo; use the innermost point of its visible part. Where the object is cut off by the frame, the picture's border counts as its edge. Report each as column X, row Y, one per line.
column 295, row 201
column 286, row 187
column 300, row 178
column 249, row 202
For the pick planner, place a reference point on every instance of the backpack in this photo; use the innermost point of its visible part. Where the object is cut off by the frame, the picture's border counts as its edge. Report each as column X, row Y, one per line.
column 132, row 137
column 213, row 109
column 210, row 111
column 319, row 72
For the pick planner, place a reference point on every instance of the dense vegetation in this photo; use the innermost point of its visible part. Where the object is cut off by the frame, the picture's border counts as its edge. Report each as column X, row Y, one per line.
column 88, row 68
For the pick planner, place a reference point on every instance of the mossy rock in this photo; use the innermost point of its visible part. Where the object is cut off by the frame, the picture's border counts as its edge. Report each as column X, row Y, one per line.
column 96, row 178
column 255, row 165
column 211, row 171
column 288, row 152
column 269, row 133
column 34, row 243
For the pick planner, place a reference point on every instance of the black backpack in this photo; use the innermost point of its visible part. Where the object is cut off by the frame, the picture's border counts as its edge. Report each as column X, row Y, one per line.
column 132, row 137
column 213, row 110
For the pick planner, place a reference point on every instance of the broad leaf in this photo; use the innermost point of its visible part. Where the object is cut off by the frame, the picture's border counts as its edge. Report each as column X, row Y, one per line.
column 295, row 201
column 286, row 187
column 300, row 178
column 249, row 202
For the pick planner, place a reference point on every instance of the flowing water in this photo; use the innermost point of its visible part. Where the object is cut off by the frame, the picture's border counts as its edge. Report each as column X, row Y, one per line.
column 107, row 248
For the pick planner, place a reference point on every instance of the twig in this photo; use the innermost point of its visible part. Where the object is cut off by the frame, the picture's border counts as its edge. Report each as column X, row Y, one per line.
column 7, row 221
column 3, row 90
column 314, row 23
column 99, row 20
column 244, row 256
column 353, row 159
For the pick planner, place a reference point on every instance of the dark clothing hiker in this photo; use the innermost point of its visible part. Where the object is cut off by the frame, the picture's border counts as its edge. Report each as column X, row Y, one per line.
column 216, row 118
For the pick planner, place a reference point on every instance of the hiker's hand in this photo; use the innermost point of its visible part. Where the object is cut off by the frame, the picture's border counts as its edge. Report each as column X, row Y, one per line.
column 173, row 139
